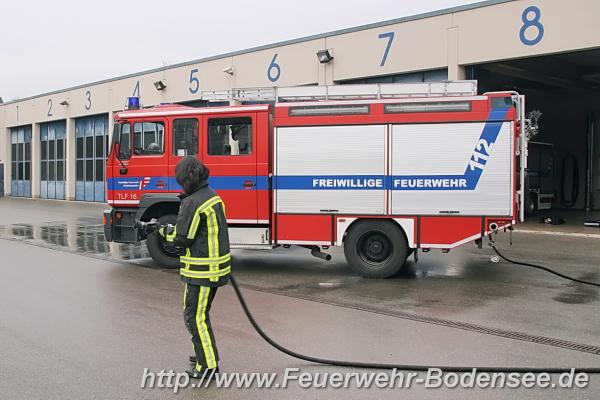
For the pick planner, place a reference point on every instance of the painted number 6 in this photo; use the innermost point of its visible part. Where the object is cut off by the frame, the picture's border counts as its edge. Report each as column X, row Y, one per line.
column 274, row 77
column 531, row 21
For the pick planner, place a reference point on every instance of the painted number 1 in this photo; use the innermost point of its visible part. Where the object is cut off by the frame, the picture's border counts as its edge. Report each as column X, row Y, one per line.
column 390, row 38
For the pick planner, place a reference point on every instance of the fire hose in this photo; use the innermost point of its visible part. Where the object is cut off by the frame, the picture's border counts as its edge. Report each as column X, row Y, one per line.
column 412, row 367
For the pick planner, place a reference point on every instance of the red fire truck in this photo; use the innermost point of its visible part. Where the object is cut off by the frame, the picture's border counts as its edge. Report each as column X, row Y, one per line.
column 383, row 170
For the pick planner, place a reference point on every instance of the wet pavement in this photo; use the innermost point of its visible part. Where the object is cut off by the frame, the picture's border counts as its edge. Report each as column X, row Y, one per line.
column 80, row 317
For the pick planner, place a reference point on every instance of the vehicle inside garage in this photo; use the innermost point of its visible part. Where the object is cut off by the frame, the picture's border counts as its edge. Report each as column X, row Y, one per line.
column 564, row 156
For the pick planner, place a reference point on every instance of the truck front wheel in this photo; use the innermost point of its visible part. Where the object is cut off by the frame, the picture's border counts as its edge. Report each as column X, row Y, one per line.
column 376, row 249
column 163, row 253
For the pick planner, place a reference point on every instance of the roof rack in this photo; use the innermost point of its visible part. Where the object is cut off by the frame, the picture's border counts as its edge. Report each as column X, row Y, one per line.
column 345, row 92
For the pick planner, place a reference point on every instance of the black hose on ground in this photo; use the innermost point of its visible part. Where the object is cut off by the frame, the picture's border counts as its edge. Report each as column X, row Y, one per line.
column 544, row 269
column 405, row 367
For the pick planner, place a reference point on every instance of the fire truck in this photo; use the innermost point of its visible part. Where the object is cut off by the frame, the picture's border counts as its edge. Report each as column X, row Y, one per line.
column 382, row 170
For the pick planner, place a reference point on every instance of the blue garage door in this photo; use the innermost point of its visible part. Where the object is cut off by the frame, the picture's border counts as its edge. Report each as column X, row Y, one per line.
column 52, row 160
column 91, row 134
column 21, row 161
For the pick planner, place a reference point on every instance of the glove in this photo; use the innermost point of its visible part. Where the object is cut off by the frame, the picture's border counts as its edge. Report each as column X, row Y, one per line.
column 166, row 230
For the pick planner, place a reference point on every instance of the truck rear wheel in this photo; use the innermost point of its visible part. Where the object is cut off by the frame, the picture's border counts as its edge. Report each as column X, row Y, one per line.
column 376, row 249
column 163, row 253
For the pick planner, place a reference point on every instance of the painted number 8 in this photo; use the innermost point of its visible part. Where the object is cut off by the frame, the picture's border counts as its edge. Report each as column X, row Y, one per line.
column 530, row 24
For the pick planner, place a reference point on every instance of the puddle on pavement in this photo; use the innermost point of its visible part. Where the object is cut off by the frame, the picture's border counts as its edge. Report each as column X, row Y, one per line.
column 84, row 235
column 577, row 293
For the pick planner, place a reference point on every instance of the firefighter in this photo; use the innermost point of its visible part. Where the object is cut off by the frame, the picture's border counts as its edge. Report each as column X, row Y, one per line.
column 201, row 234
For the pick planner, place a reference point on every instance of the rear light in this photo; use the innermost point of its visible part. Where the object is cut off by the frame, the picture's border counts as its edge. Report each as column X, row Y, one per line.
column 106, row 220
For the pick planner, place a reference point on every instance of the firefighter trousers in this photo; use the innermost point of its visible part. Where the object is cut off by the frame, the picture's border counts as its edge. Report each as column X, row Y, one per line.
column 196, row 308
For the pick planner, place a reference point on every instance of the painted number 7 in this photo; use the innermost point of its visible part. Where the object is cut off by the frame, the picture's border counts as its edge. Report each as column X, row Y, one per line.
column 390, row 37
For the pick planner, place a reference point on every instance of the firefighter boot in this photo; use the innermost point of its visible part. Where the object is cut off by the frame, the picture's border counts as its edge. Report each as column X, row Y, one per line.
column 207, row 373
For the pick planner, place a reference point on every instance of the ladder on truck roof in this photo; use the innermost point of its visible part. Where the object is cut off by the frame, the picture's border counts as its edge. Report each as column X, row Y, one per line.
column 345, row 92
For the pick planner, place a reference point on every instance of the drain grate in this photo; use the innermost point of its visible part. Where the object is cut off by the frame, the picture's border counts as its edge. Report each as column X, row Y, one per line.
column 504, row 333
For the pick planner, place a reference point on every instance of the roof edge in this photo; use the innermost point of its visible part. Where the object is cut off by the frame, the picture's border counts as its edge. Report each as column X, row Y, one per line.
column 337, row 32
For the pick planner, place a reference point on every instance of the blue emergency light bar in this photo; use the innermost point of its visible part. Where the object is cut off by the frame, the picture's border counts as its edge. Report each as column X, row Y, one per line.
column 133, row 103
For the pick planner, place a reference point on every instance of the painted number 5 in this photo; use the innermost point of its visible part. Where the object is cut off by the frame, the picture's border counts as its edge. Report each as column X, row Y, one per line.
column 531, row 24
column 194, row 81
column 390, row 38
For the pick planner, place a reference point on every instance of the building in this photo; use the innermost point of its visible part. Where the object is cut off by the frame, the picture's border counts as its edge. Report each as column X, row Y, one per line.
column 53, row 145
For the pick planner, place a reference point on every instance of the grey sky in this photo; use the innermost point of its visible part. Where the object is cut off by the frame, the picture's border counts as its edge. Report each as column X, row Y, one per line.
column 50, row 45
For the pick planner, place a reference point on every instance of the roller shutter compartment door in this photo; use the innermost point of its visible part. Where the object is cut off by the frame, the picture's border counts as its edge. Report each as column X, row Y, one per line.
column 52, row 160
column 91, row 137
column 21, row 161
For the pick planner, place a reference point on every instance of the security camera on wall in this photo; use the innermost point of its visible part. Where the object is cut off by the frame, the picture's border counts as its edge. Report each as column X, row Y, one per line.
column 228, row 70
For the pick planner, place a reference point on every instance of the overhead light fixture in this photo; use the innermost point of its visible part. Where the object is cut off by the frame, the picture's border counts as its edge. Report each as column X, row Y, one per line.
column 324, row 56
column 228, row 70
column 64, row 103
column 160, row 85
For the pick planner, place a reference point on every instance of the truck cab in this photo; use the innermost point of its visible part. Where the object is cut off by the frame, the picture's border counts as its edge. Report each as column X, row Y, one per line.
column 148, row 144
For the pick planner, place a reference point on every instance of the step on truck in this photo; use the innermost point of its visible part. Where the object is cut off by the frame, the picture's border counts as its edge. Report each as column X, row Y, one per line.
column 382, row 170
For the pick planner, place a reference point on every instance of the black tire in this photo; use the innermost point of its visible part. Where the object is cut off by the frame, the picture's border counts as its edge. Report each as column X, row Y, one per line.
column 376, row 249
column 531, row 204
column 163, row 254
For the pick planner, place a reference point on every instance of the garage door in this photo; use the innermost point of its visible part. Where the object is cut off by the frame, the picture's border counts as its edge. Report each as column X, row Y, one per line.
column 52, row 160
column 92, row 147
column 21, row 161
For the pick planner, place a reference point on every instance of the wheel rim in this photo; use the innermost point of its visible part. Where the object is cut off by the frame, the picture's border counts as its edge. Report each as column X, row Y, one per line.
column 375, row 248
column 167, row 248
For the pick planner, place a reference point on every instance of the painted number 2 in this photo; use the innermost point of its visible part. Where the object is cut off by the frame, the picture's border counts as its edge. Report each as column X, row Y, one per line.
column 390, row 38
column 482, row 152
column 274, row 70
column 531, row 23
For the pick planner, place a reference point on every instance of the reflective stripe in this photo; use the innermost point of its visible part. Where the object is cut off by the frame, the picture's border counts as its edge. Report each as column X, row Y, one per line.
column 205, row 260
column 209, row 353
column 196, row 221
column 184, row 295
column 188, row 273
column 187, row 254
column 213, row 237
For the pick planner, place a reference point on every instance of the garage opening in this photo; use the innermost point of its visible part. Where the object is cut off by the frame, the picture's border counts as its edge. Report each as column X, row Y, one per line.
column 564, row 157
column 52, row 160
column 91, row 134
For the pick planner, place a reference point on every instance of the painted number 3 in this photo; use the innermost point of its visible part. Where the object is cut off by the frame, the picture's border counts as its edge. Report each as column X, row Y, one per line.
column 531, row 24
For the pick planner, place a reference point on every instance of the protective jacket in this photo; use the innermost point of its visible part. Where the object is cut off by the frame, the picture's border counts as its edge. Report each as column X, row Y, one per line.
column 201, row 230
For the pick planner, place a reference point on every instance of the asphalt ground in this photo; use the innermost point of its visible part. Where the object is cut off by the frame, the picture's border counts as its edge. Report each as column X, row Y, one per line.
column 81, row 318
